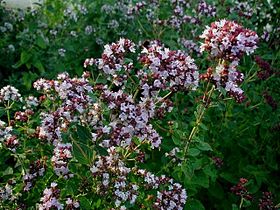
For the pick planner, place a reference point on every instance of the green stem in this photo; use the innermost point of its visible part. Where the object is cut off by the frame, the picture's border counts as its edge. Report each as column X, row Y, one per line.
column 164, row 97
column 200, row 114
column 241, row 203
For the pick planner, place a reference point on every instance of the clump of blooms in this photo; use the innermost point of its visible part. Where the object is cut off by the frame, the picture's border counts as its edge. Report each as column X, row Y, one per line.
column 265, row 68
column 242, row 9
column 206, row 9
column 270, row 101
column 9, row 93
column 266, row 202
column 241, row 190
column 113, row 60
column 6, row 193
column 23, row 116
column 190, row 46
column 227, row 77
column 72, row 204
column 36, row 169
column 7, row 137
column 75, row 105
column 50, row 198
column 228, row 40
column 166, row 70
column 173, row 198
column 60, row 159
column 132, row 120
column 111, row 174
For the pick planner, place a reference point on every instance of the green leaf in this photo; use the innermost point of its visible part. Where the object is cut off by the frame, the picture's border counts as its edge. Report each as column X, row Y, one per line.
column 84, row 203
column 204, row 127
column 84, row 134
column 8, row 171
column 234, row 207
column 83, row 153
column 41, row 42
column 194, row 204
column 176, row 139
column 25, row 56
column 193, row 152
column 38, row 64
column 203, row 146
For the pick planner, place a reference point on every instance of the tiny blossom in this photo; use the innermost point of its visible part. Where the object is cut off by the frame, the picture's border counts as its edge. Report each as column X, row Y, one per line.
column 74, row 34
column 72, row 204
column 11, row 48
column 50, row 198
column 88, row 30
column 61, row 52
column 60, row 159
column 31, row 101
column 228, row 40
column 113, row 24
column 9, row 93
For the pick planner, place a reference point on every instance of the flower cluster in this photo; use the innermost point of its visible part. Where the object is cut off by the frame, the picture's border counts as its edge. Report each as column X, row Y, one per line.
column 6, row 193
column 270, row 101
column 206, row 9
column 173, row 198
column 190, row 46
column 242, row 9
column 72, row 204
column 265, row 68
column 62, row 155
column 132, row 120
column 266, row 202
column 228, row 40
column 23, row 116
column 112, row 174
column 241, row 190
column 227, row 77
column 76, row 105
column 36, row 169
column 113, row 60
column 9, row 93
column 166, row 70
column 7, row 137
column 50, row 198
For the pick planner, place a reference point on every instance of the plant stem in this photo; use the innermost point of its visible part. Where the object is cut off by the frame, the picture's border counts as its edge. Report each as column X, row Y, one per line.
column 200, row 114
column 164, row 97
column 241, row 203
